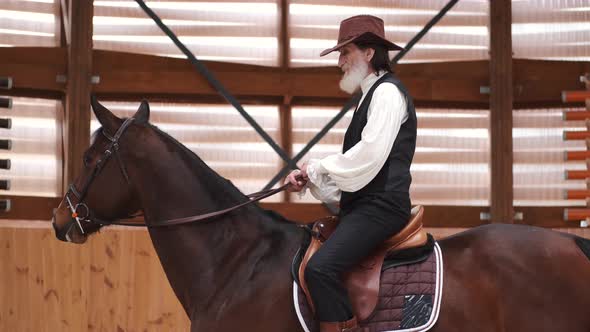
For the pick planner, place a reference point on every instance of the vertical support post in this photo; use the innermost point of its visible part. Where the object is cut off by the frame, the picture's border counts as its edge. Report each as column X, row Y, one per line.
column 586, row 80
column 286, row 134
column 284, row 45
column 501, row 99
column 60, row 20
column 285, row 108
column 77, row 100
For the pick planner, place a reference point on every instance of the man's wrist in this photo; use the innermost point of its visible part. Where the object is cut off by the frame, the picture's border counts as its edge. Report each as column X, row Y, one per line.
column 314, row 170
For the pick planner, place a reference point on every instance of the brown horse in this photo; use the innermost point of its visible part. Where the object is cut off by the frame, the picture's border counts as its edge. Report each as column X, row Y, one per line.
column 232, row 273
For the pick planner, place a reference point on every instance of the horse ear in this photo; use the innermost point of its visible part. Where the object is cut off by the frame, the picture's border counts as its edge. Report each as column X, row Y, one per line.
column 107, row 119
column 143, row 113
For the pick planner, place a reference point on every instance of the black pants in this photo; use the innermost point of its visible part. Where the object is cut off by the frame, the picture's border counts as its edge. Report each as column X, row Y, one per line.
column 362, row 228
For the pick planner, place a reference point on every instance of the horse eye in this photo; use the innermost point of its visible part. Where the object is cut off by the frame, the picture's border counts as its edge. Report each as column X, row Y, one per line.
column 87, row 160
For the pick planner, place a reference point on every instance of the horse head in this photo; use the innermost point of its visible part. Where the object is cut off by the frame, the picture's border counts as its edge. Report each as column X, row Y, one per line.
column 103, row 192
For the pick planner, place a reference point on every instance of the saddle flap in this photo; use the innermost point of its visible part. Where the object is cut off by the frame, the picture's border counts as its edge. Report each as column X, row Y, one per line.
column 314, row 246
column 363, row 282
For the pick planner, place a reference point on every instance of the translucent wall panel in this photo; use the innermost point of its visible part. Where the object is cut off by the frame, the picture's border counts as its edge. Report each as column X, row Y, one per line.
column 539, row 164
column 451, row 164
column 461, row 35
column 29, row 23
column 551, row 29
column 306, row 123
column 229, row 31
column 36, row 152
column 220, row 136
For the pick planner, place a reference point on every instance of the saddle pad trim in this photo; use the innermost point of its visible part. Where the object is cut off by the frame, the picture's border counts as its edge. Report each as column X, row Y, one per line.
column 423, row 328
column 297, row 309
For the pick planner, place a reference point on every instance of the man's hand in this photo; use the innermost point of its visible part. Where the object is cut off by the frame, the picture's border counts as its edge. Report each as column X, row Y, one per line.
column 298, row 179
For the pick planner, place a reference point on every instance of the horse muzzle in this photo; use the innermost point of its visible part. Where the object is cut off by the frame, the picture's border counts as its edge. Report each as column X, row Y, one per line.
column 66, row 227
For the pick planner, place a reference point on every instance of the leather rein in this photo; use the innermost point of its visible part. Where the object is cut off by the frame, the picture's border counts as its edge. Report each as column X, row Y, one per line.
column 113, row 149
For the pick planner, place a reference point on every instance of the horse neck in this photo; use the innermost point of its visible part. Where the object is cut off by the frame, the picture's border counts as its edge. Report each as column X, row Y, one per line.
column 201, row 259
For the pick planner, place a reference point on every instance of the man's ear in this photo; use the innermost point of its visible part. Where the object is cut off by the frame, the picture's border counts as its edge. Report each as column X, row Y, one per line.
column 369, row 53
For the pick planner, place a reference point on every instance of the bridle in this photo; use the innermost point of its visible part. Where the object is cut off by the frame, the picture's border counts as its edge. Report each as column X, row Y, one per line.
column 82, row 213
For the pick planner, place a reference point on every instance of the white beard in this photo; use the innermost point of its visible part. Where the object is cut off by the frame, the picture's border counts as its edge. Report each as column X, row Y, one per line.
column 351, row 81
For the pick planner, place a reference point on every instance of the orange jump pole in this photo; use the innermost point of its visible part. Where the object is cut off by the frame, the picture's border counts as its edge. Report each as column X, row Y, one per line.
column 576, row 155
column 576, row 214
column 577, row 194
column 572, row 96
column 577, row 175
column 576, row 135
column 576, row 115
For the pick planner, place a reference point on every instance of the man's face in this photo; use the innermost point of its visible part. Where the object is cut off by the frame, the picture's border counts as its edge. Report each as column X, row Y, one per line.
column 355, row 64
column 351, row 55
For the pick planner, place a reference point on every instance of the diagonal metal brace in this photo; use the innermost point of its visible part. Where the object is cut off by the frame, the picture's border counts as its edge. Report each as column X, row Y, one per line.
column 283, row 172
column 202, row 69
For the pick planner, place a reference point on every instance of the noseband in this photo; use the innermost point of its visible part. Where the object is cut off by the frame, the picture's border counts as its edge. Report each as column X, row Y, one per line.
column 80, row 211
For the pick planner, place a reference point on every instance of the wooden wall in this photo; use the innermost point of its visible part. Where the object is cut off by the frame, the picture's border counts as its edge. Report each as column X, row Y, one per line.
column 114, row 282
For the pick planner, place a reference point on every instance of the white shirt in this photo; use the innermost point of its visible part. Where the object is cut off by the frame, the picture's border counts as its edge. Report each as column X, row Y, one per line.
column 353, row 170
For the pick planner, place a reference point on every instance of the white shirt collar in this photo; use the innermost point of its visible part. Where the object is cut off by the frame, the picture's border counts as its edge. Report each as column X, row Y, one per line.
column 368, row 81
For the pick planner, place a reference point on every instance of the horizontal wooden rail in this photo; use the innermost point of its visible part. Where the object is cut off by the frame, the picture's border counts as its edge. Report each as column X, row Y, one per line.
column 576, row 115
column 576, row 175
column 577, row 194
column 538, row 83
column 576, row 135
column 575, row 214
column 573, row 96
column 576, row 155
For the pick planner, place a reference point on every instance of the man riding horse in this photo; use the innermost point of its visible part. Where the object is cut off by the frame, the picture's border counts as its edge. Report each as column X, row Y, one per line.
column 371, row 177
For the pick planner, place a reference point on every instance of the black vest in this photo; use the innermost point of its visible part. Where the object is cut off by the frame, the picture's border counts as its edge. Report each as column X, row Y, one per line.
column 394, row 176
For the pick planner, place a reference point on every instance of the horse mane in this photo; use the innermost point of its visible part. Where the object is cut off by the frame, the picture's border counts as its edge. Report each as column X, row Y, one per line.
column 213, row 178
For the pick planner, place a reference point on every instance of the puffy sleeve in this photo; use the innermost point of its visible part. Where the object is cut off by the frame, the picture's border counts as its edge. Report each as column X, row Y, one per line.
column 354, row 169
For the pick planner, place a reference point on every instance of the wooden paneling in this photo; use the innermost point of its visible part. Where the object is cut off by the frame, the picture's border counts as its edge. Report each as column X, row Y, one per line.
column 437, row 216
column 33, row 68
column 135, row 76
column 434, row 216
column 549, row 217
column 501, row 98
column 134, row 73
column 541, row 81
column 112, row 283
column 30, row 208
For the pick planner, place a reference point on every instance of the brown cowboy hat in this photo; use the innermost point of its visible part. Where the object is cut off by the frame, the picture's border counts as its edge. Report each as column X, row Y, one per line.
column 364, row 28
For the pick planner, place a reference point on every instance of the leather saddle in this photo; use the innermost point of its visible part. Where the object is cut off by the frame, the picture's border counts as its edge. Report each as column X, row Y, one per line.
column 363, row 281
